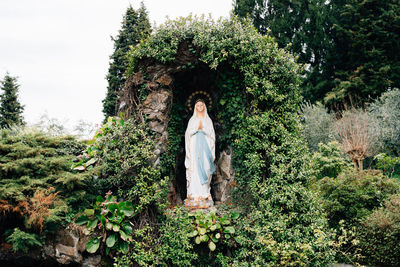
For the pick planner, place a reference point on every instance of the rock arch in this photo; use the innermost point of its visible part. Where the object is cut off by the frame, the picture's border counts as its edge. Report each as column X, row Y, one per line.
column 151, row 94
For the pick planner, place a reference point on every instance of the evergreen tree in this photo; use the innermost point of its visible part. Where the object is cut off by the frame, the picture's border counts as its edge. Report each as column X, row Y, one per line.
column 301, row 25
column 350, row 46
column 135, row 27
column 366, row 58
column 10, row 108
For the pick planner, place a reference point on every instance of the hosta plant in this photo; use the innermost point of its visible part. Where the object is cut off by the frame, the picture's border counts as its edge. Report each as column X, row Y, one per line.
column 212, row 229
column 112, row 219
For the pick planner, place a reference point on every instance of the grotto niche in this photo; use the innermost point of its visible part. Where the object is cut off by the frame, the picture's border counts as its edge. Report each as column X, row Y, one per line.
column 262, row 167
column 162, row 96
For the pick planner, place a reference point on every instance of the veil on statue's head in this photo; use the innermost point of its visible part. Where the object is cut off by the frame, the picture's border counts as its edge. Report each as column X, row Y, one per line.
column 196, row 97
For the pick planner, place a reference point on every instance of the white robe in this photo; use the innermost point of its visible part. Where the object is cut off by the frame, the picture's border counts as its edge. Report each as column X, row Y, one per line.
column 194, row 187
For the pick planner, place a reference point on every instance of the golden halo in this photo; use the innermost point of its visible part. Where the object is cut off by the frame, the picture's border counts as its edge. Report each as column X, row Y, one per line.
column 189, row 103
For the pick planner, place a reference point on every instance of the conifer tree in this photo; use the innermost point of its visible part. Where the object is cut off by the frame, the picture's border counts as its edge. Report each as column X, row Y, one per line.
column 10, row 108
column 301, row 25
column 135, row 27
column 350, row 46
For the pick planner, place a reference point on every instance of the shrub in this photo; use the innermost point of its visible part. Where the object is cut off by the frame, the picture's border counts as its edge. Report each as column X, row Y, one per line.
column 329, row 161
column 112, row 218
column 126, row 158
column 389, row 165
column 44, row 207
column 386, row 112
column 380, row 233
column 31, row 165
column 353, row 195
column 317, row 123
column 176, row 246
column 22, row 241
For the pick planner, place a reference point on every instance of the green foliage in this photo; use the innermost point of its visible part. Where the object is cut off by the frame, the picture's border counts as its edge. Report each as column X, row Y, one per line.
column 345, row 44
column 112, row 218
column 31, row 161
column 317, row 124
column 365, row 34
column 379, row 234
column 389, row 165
column 385, row 111
column 354, row 194
column 260, row 123
column 22, row 241
column 10, row 108
column 211, row 229
column 176, row 245
column 126, row 157
column 304, row 27
column 329, row 161
column 135, row 28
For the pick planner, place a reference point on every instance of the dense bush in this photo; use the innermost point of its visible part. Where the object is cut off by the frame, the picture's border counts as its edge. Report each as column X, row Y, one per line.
column 354, row 194
column 124, row 151
column 37, row 187
column 389, row 165
column 329, row 161
column 380, row 233
column 22, row 241
column 317, row 123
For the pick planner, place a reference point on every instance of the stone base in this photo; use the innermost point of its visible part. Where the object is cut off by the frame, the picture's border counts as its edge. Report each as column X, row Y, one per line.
column 195, row 203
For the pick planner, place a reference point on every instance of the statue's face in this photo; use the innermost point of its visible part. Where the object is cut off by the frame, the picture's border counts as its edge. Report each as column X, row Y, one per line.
column 199, row 106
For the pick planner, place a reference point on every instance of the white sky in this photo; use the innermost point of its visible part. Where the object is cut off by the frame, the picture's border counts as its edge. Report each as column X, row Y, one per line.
column 59, row 49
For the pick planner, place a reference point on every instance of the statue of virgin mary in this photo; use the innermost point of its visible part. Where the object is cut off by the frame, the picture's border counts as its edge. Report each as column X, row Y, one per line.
column 200, row 156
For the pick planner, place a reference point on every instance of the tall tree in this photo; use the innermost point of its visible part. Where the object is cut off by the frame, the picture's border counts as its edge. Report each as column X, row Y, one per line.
column 10, row 108
column 366, row 58
column 135, row 27
column 350, row 46
column 301, row 25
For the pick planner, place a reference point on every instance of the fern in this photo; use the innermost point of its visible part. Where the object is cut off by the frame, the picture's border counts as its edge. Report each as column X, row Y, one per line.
column 22, row 241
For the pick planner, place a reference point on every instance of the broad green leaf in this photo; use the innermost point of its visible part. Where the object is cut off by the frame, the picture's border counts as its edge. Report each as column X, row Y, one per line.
column 204, row 238
column 235, row 215
column 124, row 247
column 116, row 227
column 128, row 211
column 212, row 246
column 89, row 212
column 109, row 226
column 197, row 240
column 193, row 234
column 91, row 161
column 81, row 220
column 123, row 235
column 225, row 221
column 229, row 230
column 127, row 229
column 93, row 245
column 213, row 227
column 112, row 207
column 202, row 231
column 92, row 224
column 217, row 235
column 111, row 239
column 103, row 220
column 99, row 199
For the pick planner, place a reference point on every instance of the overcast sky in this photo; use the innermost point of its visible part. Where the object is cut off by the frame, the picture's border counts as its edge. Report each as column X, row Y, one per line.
column 59, row 49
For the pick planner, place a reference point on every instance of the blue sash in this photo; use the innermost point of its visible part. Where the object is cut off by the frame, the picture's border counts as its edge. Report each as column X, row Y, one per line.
column 201, row 149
